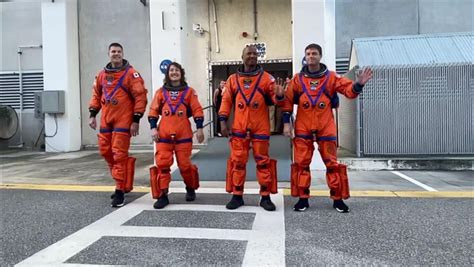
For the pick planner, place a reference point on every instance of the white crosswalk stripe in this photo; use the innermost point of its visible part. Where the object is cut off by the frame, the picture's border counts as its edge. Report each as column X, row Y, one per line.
column 265, row 241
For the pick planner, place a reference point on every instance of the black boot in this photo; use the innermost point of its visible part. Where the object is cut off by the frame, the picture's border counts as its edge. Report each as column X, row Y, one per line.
column 190, row 194
column 267, row 204
column 235, row 202
column 340, row 206
column 161, row 202
column 301, row 205
column 118, row 199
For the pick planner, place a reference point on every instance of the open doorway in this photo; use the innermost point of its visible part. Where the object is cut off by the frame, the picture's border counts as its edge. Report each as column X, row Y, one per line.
column 220, row 71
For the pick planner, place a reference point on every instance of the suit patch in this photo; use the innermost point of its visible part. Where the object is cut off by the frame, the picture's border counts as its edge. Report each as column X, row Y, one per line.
column 136, row 75
column 247, row 83
column 174, row 95
column 109, row 79
column 313, row 84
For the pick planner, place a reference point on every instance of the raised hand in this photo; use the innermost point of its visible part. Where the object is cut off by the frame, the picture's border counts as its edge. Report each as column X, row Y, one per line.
column 280, row 86
column 364, row 76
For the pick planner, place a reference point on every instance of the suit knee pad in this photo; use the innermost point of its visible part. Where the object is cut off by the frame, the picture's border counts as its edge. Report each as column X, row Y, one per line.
column 129, row 174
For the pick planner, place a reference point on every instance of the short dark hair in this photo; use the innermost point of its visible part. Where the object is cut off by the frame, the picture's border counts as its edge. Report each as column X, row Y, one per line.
column 248, row 46
column 167, row 79
column 314, row 46
column 116, row 45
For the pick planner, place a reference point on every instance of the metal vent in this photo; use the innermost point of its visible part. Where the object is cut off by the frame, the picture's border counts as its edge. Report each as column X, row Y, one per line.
column 342, row 65
column 418, row 110
column 10, row 88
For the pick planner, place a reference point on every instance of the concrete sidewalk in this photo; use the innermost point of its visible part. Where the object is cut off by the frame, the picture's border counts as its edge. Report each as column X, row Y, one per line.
column 87, row 168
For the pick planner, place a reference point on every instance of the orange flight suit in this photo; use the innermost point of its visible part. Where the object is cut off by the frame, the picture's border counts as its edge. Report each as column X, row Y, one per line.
column 122, row 97
column 312, row 92
column 175, row 105
column 250, row 94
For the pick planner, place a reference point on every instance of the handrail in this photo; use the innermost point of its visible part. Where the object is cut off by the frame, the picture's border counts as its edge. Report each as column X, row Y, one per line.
column 210, row 122
column 204, row 126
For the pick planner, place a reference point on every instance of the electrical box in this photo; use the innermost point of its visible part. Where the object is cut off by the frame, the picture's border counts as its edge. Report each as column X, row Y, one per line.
column 52, row 102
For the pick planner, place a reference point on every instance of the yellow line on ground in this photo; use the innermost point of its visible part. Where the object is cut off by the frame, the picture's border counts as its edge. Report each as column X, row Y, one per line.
column 65, row 187
column 286, row 191
column 448, row 194
column 426, row 194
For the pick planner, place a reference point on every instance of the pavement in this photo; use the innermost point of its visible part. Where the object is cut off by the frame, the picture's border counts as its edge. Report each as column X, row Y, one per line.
column 56, row 211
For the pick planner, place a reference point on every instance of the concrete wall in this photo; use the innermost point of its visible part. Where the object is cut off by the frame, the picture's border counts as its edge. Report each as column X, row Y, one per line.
column 20, row 24
column 198, row 54
column 235, row 17
column 370, row 18
column 101, row 23
column 437, row 16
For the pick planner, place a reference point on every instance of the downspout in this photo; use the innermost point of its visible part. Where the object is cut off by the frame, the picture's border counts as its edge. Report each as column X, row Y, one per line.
column 255, row 33
column 20, row 82
column 218, row 49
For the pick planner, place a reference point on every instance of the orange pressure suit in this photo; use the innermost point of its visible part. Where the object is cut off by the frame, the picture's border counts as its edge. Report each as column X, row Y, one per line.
column 251, row 94
column 314, row 93
column 175, row 105
column 122, row 97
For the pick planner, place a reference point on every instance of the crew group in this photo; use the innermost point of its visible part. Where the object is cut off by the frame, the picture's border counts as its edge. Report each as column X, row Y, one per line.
column 119, row 93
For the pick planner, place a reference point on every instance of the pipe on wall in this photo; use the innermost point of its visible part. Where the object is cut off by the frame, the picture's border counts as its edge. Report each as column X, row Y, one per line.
column 20, row 82
column 255, row 33
column 218, row 49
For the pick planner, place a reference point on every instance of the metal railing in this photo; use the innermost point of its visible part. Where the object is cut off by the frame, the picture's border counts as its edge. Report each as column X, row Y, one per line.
column 211, row 121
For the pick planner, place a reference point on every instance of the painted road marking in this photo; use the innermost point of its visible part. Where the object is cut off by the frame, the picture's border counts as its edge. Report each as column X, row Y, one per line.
column 422, row 185
column 286, row 191
column 265, row 241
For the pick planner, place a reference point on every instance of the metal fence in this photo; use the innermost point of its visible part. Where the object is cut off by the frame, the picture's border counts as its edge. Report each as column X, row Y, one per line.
column 418, row 110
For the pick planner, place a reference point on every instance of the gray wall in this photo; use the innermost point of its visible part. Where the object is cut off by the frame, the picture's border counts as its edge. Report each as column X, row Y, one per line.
column 20, row 24
column 197, row 52
column 372, row 18
column 101, row 23
column 446, row 16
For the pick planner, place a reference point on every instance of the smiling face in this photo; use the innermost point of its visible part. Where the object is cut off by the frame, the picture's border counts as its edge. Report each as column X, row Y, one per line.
column 249, row 57
column 174, row 74
column 116, row 55
column 312, row 57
